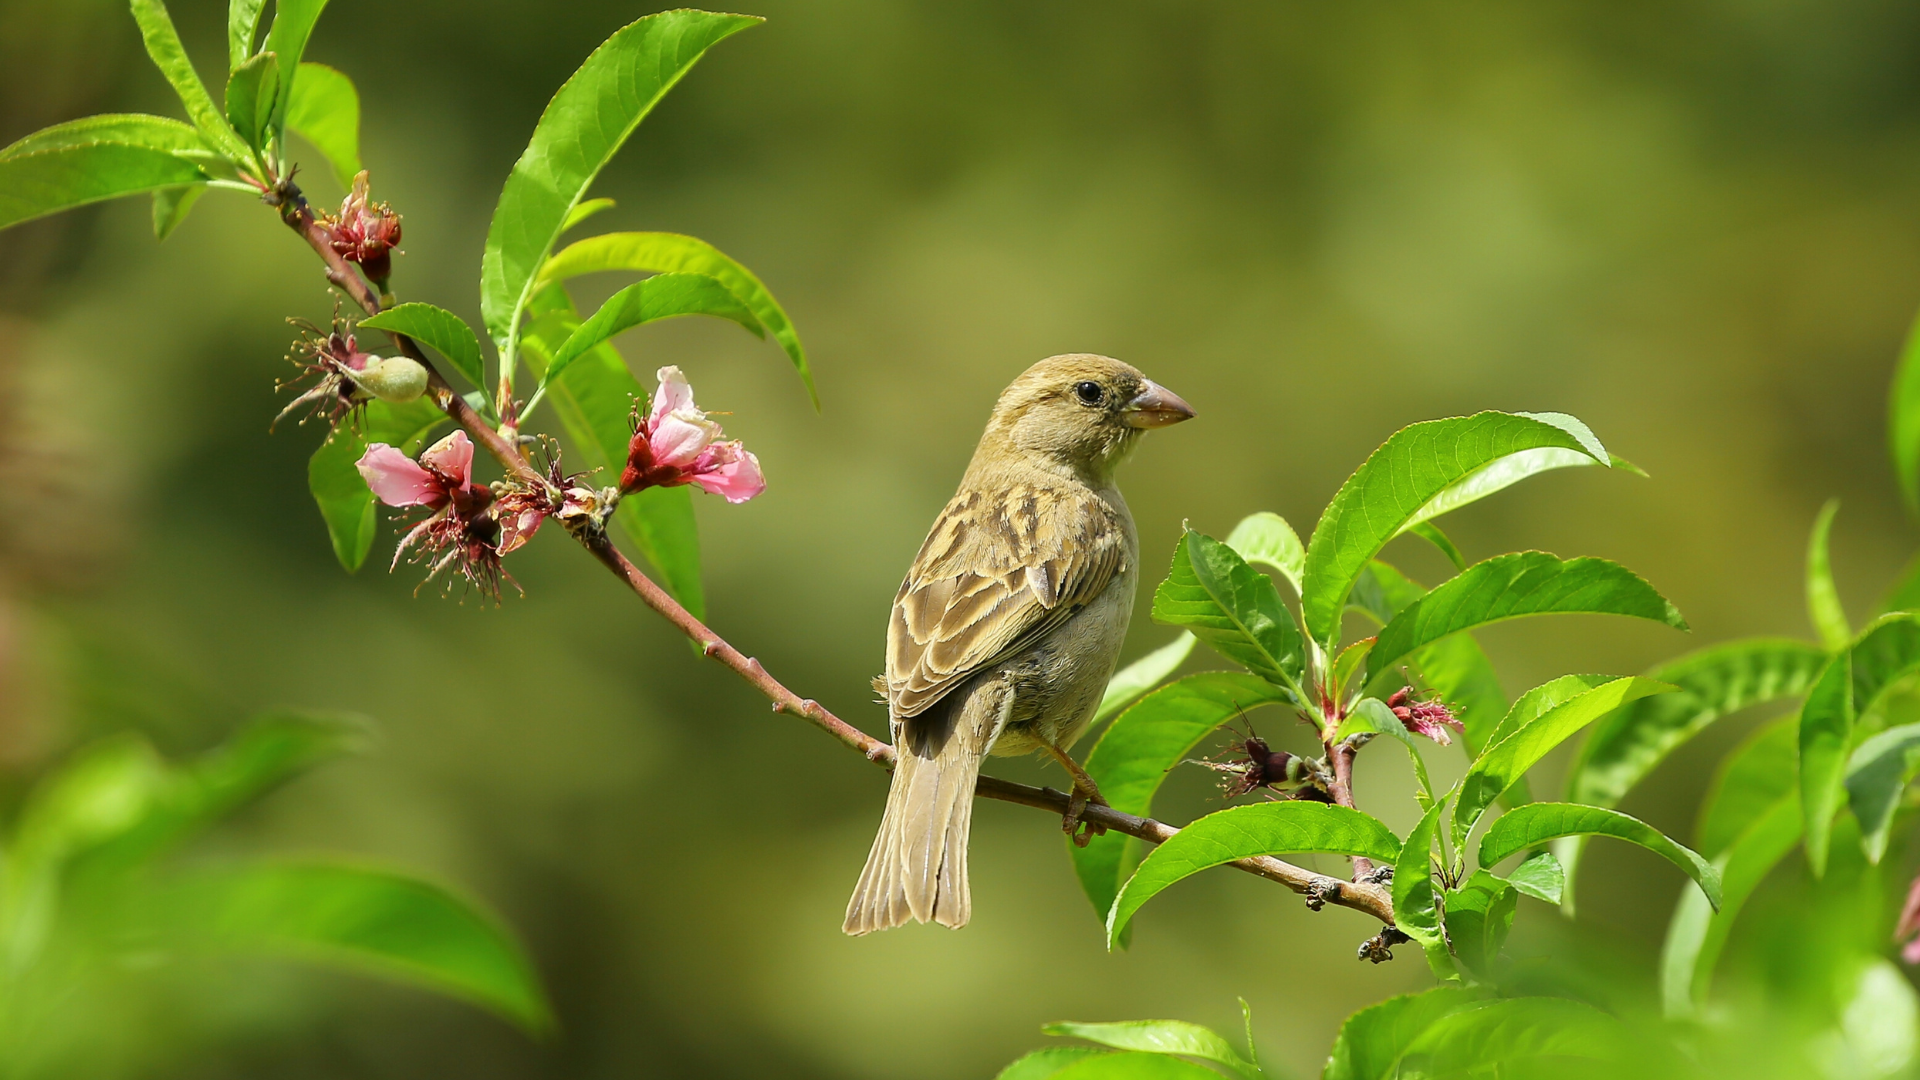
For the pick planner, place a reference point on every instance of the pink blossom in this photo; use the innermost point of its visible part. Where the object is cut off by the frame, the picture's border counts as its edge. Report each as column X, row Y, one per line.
column 444, row 471
column 1909, row 924
column 460, row 528
column 1429, row 718
column 678, row 444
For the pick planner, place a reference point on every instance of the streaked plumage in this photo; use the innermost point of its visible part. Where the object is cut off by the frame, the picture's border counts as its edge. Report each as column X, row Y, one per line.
column 1007, row 627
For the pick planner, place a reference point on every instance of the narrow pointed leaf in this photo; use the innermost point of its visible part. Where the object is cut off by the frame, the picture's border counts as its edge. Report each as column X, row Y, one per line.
column 1130, row 682
column 1387, row 492
column 1454, row 667
column 1877, row 773
column 1533, row 825
column 1048, row 1062
column 1826, row 730
column 1823, row 600
column 662, row 296
column 334, row 478
column 1135, row 1065
column 1508, row 471
column 664, row 253
column 1547, row 696
column 1234, row 608
column 1510, row 586
column 378, row 921
column 1750, row 780
column 287, row 39
column 163, row 45
column 1540, row 876
column 578, row 133
column 1508, row 759
column 1372, row 1041
column 170, row 207
column 1627, row 745
column 594, row 398
column 325, row 111
column 1698, row 933
column 1905, row 592
column 1275, row 828
column 1266, row 538
column 252, row 92
column 1903, row 420
column 36, row 184
column 1415, row 909
column 582, row 212
column 243, row 24
column 439, row 329
column 1161, row 1037
column 1135, row 753
column 124, row 129
column 1525, row 1036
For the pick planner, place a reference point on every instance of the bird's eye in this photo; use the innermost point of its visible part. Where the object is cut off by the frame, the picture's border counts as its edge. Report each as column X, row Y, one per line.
column 1089, row 393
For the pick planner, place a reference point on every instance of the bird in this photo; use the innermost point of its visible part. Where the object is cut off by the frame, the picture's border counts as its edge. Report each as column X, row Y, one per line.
column 1009, row 623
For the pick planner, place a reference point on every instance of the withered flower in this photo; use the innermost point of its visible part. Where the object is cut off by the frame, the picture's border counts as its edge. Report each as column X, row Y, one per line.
column 459, row 529
column 1430, row 718
column 1257, row 766
column 342, row 377
column 366, row 232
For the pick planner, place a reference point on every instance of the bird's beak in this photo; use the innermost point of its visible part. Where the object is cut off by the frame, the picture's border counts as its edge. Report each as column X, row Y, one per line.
column 1156, row 406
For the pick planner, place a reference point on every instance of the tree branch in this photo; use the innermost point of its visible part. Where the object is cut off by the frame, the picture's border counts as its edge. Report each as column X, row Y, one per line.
column 1340, row 757
column 298, row 216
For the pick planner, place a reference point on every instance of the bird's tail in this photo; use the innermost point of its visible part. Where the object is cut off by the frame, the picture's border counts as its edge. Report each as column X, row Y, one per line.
column 918, row 866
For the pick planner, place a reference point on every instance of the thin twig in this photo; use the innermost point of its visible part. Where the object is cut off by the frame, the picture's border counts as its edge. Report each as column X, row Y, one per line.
column 1340, row 756
column 1359, row 895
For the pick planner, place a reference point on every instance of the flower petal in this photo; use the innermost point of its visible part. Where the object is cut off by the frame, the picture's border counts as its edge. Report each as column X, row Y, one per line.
column 396, row 479
column 675, row 394
column 729, row 470
column 451, row 457
column 517, row 529
column 679, row 438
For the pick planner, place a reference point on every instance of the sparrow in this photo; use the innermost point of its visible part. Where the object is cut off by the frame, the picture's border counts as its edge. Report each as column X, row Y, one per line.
column 1008, row 625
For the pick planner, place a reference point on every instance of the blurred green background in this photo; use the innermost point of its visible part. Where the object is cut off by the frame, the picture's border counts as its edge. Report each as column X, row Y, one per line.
column 1692, row 224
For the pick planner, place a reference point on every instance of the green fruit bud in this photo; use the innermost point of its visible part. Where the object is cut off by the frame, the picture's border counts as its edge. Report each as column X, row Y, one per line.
column 394, row 379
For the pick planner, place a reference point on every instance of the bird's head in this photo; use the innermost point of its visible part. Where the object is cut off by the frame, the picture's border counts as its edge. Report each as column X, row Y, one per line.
column 1080, row 411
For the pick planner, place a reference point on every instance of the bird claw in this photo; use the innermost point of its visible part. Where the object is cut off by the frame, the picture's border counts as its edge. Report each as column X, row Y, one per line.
column 1079, row 831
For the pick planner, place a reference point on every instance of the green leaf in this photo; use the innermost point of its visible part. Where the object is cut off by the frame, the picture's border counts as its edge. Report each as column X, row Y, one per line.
column 1903, row 420
column 1431, row 533
column 253, row 91
column 325, row 111
column 163, row 45
column 1826, row 730
column 39, row 183
column 379, row 921
column 585, row 210
column 1509, row 758
column 170, row 206
column 1135, row 753
column 1627, row 745
column 1388, row 492
column 581, row 128
column 1373, row 715
column 1266, row 538
column 1415, row 910
column 1540, row 876
column 1759, row 772
column 1514, row 468
column 1372, row 1041
column 1161, row 1037
column 594, row 398
column 1232, row 607
column 1044, row 1063
column 1142, row 675
column 1510, row 586
column 1877, row 774
column 122, row 129
column 1238, row 832
column 334, row 477
column 1522, row 1037
column 1129, row 1065
column 662, row 296
column 1479, row 915
column 1547, row 696
column 243, row 24
column 1698, row 933
column 666, row 253
column 1905, row 593
column 443, row 331
column 1823, row 600
column 1533, row 825
column 287, row 38
column 1458, row 670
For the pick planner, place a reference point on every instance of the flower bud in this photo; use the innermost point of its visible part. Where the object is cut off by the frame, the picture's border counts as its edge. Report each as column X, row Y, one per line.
column 394, row 379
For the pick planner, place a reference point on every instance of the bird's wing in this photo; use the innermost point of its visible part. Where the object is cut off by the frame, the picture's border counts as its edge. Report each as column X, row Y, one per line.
column 997, row 572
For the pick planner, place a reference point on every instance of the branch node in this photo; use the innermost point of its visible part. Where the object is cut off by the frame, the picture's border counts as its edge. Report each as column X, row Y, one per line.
column 709, row 647
column 1321, row 890
column 1378, row 949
